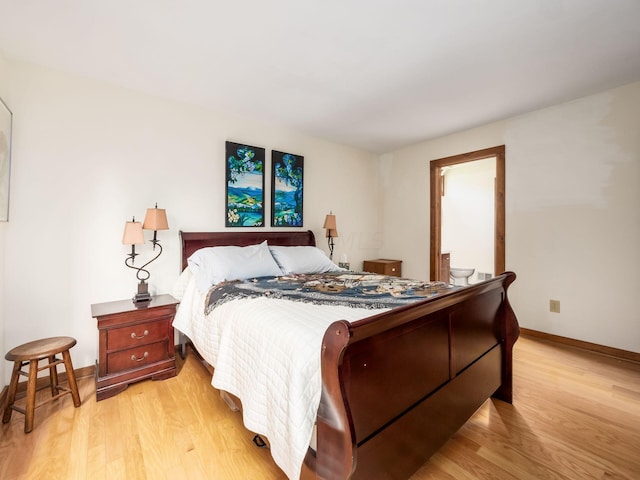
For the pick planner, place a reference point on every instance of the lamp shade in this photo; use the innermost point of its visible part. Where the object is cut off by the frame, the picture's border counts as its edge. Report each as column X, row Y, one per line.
column 156, row 219
column 330, row 226
column 133, row 234
column 330, row 222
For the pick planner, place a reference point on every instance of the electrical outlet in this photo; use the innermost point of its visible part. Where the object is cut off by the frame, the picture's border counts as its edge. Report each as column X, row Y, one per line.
column 554, row 306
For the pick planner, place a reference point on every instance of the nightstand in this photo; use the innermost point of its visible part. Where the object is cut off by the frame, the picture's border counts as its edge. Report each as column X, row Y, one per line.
column 135, row 343
column 383, row 266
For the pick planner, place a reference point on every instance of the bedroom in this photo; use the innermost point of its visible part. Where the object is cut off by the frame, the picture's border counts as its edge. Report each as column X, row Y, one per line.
column 87, row 155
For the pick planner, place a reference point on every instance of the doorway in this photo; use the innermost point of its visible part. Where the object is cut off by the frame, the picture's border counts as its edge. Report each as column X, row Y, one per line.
column 436, row 170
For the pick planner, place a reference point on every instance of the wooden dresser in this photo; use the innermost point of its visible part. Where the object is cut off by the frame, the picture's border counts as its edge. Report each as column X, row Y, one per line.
column 383, row 266
column 135, row 343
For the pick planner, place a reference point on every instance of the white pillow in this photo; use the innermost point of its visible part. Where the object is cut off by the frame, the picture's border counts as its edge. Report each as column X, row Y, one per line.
column 303, row 260
column 212, row 265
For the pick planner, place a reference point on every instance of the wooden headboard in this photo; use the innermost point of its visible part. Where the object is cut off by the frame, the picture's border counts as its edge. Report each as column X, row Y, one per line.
column 192, row 241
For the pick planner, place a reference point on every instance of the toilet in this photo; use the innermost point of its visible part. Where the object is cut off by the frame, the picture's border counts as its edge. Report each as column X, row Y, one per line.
column 460, row 276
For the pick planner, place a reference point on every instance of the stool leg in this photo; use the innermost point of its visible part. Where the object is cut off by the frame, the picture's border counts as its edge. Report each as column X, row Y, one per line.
column 31, row 396
column 71, row 376
column 53, row 375
column 13, row 388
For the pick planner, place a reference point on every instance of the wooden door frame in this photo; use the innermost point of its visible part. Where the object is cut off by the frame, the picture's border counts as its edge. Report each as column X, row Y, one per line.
column 435, row 170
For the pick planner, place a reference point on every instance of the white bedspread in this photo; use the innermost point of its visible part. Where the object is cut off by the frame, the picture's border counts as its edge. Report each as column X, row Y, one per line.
column 267, row 353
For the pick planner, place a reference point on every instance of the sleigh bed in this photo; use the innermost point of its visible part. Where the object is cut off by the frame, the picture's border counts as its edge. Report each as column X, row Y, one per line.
column 397, row 384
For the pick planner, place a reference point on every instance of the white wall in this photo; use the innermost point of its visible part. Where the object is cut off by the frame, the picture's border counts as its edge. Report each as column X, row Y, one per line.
column 572, row 213
column 468, row 216
column 87, row 156
column 4, row 93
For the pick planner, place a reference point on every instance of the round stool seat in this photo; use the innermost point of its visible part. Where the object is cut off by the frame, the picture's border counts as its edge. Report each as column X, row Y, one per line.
column 40, row 349
column 28, row 355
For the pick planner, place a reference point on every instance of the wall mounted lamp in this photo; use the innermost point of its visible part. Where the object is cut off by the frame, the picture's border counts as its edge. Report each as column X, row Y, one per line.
column 331, row 231
column 155, row 219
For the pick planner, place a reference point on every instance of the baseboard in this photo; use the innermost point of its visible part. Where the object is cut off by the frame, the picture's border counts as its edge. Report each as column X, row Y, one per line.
column 89, row 371
column 593, row 347
column 43, row 382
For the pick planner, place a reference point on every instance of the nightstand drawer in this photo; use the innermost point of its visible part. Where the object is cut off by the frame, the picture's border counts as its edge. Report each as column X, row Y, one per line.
column 136, row 357
column 135, row 335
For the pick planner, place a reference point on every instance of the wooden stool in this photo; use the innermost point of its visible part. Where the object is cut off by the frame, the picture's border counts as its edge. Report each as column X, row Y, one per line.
column 30, row 354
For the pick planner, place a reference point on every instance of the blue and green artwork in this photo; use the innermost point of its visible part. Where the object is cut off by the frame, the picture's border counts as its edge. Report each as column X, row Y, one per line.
column 245, row 185
column 286, row 188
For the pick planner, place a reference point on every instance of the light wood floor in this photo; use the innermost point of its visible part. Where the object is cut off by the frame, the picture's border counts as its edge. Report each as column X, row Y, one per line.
column 576, row 415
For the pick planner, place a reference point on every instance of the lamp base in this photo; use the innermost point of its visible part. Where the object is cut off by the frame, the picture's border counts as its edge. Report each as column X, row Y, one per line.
column 143, row 294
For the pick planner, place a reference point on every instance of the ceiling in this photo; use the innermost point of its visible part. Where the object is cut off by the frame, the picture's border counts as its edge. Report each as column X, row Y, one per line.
column 374, row 74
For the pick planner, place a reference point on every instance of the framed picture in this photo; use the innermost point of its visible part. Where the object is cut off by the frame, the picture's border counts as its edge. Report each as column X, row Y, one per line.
column 5, row 159
column 287, row 174
column 245, row 185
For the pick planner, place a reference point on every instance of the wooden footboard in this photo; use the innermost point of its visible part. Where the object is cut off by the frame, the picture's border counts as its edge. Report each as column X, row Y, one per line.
column 397, row 385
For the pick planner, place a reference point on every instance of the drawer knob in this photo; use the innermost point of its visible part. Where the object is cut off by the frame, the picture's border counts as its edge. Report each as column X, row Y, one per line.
column 144, row 334
column 136, row 359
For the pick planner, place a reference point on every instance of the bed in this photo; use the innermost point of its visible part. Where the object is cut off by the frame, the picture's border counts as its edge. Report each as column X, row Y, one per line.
column 393, row 384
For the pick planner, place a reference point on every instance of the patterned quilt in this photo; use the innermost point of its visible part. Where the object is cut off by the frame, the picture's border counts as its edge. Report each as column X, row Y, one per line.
column 356, row 290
